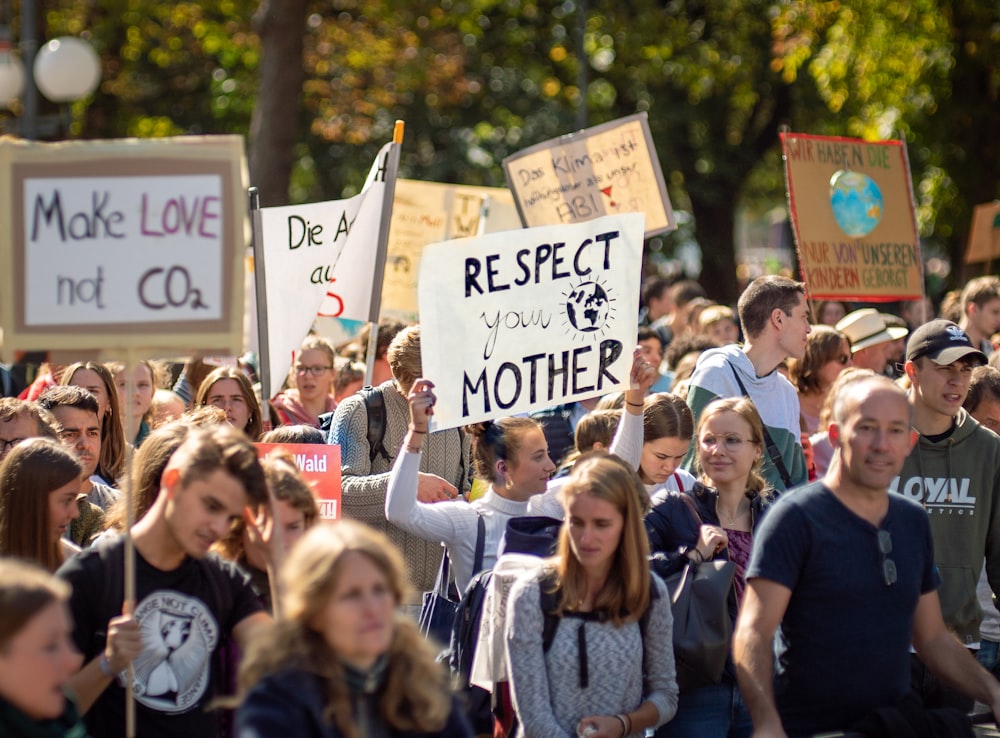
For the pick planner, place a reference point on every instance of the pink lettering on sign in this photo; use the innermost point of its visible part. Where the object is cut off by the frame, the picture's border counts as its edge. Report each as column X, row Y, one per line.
column 180, row 215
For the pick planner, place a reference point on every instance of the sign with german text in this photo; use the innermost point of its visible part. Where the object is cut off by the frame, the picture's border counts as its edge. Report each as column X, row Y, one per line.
column 429, row 212
column 523, row 320
column 319, row 259
column 117, row 244
column 604, row 170
column 851, row 203
column 320, row 467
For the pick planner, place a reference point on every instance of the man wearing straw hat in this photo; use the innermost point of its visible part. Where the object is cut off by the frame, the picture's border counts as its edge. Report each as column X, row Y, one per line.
column 870, row 338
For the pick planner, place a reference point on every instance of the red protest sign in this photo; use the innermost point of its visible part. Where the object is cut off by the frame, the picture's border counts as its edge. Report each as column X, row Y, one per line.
column 320, row 466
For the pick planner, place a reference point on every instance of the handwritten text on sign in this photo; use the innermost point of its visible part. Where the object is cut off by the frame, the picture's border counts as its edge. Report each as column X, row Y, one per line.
column 123, row 249
column 608, row 169
column 527, row 319
column 852, row 209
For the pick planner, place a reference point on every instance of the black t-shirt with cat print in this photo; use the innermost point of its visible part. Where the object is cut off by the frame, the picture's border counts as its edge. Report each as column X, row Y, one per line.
column 185, row 615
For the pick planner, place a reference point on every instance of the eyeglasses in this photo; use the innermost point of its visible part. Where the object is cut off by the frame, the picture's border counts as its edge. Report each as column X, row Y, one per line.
column 730, row 443
column 314, row 371
column 5, row 444
column 888, row 565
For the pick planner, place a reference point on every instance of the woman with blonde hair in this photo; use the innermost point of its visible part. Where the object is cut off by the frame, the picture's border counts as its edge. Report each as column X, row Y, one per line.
column 311, row 392
column 343, row 661
column 96, row 379
column 575, row 629
column 229, row 389
column 37, row 655
column 147, row 377
column 715, row 520
column 39, row 486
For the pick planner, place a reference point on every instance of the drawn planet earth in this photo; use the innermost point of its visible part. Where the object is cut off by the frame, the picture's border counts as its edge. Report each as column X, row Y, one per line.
column 856, row 202
column 587, row 307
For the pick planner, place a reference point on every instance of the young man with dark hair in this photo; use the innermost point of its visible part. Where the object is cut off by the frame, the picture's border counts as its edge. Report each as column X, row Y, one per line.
column 981, row 311
column 954, row 472
column 844, row 574
column 188, row 601
column 775, row 318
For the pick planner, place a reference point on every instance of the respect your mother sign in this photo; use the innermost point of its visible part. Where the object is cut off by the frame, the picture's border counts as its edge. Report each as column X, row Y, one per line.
column 522, row 320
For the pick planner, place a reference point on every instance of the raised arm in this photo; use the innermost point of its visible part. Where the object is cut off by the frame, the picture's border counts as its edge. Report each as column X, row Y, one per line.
column 627, row 443
column 431, row 522
column 764, row 605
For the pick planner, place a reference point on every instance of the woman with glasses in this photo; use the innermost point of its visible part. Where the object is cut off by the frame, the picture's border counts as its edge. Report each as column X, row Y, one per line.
column 828, row 353
column 311, row 385
column 229, row 389
column 716, row 519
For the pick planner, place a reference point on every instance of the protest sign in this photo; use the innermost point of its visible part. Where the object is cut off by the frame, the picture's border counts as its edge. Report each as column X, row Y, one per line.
column 429, row 212
column 522, row 320
column 610, row 168
column 118, row 244
column 984, row 238
column 851, row 203
column 319, row 259
column 319, row 466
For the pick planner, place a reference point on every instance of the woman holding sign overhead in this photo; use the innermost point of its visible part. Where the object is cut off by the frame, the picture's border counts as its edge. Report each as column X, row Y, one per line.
column 509, row 453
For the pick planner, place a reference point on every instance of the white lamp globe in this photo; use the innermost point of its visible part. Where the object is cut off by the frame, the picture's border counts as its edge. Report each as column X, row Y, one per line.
column 67, row 69
column 11, row 78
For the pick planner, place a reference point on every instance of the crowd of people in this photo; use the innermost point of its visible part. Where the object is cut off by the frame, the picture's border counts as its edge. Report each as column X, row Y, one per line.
column 838, row 462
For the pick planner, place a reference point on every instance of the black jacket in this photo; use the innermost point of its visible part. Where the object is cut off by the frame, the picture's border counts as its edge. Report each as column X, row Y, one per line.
column 291, row 703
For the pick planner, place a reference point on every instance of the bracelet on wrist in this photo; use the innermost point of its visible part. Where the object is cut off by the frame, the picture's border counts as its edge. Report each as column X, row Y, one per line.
column 414, row 430
column 623, row 719
column 633, row 404
column 696, row 552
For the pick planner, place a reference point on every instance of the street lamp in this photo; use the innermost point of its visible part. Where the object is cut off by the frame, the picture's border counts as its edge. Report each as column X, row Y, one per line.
column 65, row 69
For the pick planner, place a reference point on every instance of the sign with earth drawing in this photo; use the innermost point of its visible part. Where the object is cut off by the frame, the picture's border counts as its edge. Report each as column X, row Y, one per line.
column 526, row 319
column 855, row 224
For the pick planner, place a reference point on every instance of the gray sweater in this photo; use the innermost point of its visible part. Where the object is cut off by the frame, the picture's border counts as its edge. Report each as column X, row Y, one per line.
column 545, row 686
column 364, row 481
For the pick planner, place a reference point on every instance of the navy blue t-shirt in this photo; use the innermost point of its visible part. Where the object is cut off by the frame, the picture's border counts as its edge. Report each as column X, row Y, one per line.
column 843, row 645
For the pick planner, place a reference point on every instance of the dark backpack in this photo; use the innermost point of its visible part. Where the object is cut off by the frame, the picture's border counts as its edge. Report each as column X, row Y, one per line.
column 551, row 619
column 375, row 409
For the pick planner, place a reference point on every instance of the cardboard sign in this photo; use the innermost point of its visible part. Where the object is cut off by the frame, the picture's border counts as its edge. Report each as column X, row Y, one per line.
column 117, row 244
column 607, row 169
column 319, row 465
column 984, row 238
column 319, row 259
column 429, row 212
column 852, row 211
column 523, row 320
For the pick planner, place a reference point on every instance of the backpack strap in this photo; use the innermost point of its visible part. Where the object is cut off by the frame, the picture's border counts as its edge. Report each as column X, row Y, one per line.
column 772, row 448
column 375, row 408
column 477, row 561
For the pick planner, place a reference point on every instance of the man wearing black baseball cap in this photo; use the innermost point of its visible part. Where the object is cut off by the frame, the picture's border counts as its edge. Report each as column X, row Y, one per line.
column 954, row 471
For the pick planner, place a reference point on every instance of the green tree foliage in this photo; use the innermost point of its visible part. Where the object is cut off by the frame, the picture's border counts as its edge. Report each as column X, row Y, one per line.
column 476, row 80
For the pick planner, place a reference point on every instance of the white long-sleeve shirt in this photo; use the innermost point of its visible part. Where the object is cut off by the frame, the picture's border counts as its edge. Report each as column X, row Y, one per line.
column 453, row 522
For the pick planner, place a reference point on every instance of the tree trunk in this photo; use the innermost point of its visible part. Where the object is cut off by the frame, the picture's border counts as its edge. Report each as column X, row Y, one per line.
column 274, row 128
column 714, row 222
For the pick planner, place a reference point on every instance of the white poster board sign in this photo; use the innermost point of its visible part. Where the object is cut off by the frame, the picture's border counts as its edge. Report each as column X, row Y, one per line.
column 111, row 244
column 523, row 320
column 319, row 259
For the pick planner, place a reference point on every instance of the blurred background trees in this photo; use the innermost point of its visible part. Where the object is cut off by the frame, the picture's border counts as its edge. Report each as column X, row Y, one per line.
column 316, row 87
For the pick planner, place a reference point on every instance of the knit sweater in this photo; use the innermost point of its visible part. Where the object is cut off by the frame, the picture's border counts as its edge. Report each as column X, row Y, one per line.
column 454, row 523
column 545, row 685
column 364, row 481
